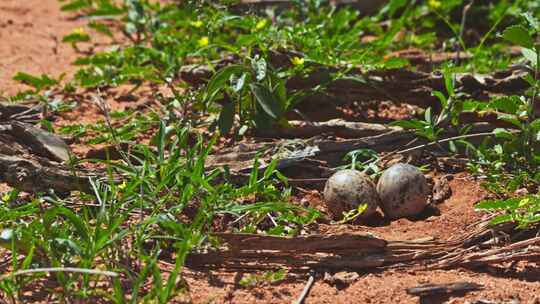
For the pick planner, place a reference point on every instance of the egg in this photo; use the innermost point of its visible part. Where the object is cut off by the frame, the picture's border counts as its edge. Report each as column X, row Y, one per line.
column 347, row 190
column 403, row 191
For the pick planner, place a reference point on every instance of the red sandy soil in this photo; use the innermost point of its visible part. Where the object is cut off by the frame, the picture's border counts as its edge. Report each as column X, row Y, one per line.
column 30, row 32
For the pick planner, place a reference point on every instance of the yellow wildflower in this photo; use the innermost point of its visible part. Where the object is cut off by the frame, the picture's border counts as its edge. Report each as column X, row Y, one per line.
column 434, row 4
column 261, row 24
column 197, row 24
column 79, row 31
column 122, row 186
column 204, row 41
column 5, row 198
column 297, row 61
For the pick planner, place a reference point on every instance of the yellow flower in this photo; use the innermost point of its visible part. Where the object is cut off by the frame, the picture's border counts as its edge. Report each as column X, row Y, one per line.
column 204, row 41
column 122, row 186
column 297, row 61
column 261, row 24
column 5, row 198
column 79, row 31
column 434, row 4
column 197, row 23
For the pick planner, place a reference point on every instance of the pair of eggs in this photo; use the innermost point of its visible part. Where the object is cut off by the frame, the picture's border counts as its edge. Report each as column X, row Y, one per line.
column 401, row 191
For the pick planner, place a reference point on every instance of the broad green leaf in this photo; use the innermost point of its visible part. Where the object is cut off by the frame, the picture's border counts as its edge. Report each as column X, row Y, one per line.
column 507, row 104
column 281, row 91
column 226, row 118
column 519, row 36
column 503, row 133
column 267, row 100
column 441, row 97
column 220, row 79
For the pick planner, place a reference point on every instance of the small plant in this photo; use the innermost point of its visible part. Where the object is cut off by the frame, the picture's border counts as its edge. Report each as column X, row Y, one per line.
column 252, row 280
column 524, row 211
column 432, row 126
column 514, row 161
column 253, row 91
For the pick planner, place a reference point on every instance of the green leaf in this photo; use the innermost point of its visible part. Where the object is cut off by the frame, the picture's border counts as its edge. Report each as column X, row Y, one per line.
column 226, row 118
column 511, row 119
column 441, row 97
column 220, row 79
column 101, row 28
column 409, row 124
column 530, row 55
column 506, row 104
column 532, row 20
column 449, row 83
column 503, row 133
column 76, row 5
column 535, row 125
column 38, row 83
column 267, row 100
column 76, row 37
column 519, row 36
column 505, row 204
column 499, row 219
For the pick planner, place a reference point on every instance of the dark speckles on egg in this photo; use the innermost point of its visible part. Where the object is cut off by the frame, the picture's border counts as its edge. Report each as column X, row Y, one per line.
column 403, row 191
column 346, row 190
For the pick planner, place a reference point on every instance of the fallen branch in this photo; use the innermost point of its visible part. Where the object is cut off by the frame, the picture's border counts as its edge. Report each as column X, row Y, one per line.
column 34, row 174
column 449, row 288
column 336, row 127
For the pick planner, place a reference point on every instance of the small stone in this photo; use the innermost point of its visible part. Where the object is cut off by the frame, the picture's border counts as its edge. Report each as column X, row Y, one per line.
column 341, row 279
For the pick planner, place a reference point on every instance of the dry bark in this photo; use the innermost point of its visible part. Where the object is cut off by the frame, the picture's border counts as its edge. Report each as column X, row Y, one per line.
column 448, row 288
column 346, row 251
column 27, row 161
column 34, row 174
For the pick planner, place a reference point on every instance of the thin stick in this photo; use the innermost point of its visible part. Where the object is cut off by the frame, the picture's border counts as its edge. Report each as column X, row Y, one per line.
column 441, row 141
column 61, row 269
column 305, row 292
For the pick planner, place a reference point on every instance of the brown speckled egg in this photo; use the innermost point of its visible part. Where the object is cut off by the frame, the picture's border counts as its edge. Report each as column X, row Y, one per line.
column 403, row 191
column 348, row 189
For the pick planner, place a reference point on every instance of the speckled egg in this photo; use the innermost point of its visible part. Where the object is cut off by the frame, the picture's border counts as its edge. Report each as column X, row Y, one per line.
column 348, row 189
column 403, row 191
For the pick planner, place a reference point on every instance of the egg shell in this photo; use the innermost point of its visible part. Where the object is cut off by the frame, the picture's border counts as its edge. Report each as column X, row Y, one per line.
column 403, row 191
column 348, row 189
